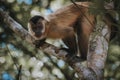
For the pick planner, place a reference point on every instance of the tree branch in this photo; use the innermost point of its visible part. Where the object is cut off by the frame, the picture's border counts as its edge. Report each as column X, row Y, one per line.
column 98, row 47
column 97, row 53
column 16, row 27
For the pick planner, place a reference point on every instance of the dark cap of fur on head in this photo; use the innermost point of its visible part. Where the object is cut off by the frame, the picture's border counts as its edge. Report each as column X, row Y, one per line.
column 35, row 19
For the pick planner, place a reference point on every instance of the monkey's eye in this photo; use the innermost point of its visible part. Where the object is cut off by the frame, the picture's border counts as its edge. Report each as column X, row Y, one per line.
column 40, row 28
column 39, row 24
column 37, row 29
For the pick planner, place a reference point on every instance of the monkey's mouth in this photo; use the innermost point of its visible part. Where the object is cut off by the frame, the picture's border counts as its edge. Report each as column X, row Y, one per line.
column 37, row 35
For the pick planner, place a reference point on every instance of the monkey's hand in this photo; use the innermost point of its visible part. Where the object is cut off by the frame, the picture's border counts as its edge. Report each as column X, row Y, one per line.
column 72, row 57
column 39, row 43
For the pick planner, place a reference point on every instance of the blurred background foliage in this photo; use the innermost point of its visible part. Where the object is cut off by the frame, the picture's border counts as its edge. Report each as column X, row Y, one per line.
column 36, row 65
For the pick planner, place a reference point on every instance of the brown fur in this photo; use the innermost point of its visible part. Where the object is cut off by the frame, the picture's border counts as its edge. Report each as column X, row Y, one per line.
column 61, row 25
column 68, row 21
column 61, row 22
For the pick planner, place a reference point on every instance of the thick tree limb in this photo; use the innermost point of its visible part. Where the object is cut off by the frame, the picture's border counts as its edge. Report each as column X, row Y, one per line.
column 16, row 27
column 97, row 53
column 98, row 47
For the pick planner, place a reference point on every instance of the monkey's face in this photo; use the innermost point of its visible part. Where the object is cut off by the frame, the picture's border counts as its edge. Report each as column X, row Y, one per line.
column 36, row 27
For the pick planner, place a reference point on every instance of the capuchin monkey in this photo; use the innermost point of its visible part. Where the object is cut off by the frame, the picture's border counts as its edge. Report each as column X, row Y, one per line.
column 68, row 23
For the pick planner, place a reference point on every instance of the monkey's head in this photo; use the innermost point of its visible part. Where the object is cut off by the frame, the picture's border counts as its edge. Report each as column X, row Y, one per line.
column 36, row 27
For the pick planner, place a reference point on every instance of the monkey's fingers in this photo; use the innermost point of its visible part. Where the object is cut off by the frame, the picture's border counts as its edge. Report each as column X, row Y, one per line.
column 39, row 43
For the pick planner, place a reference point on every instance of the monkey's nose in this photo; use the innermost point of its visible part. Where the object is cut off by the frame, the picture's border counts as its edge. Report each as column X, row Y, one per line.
column 38, row 34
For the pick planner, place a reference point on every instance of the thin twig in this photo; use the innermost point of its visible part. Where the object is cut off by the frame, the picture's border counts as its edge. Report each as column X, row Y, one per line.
column 12, row 58
column 18, row 77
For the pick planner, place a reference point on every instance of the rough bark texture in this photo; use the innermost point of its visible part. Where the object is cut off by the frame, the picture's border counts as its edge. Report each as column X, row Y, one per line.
column 98, row 47
column 97, row 53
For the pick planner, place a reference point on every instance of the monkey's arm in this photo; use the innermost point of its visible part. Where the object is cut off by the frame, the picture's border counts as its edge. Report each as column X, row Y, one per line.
column 70, row 42
column 39, row 43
